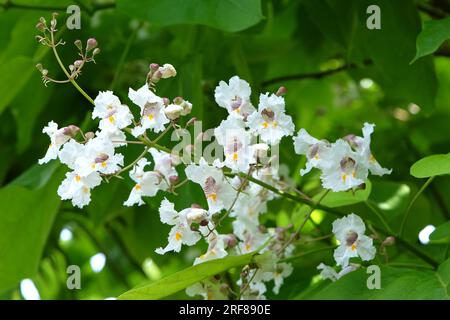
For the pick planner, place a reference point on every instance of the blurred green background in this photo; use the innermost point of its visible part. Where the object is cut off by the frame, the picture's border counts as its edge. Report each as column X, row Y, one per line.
column 338, row 75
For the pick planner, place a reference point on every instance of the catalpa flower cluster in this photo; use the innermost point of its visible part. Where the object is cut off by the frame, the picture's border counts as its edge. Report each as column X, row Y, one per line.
column 234, row 186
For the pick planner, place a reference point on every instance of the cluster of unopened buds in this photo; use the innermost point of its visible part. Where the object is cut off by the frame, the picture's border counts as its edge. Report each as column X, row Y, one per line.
column 234, row 186
column 48, row 38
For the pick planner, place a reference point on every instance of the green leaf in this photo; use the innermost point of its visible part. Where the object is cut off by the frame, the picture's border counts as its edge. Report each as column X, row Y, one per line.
column 430, row 166
column 26, row 217
column 16, row 71
column 442, row 232
column 396, row 283
column 434, row 33
column 227, row 15
column 182, row 279
column 340, row 199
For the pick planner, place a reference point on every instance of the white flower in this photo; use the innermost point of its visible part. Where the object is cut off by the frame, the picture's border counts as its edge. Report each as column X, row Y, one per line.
column 270, row 121
column 216, row 248
column 231, row 134
column 58, row 137
column 235, row 97
column 328, row 272
column 209, row 289
column 116, row 136
column 315, row 150
column 113, row 114
column 346, row 169
column 219, row 193
column 78, row 189
column 152, row 110
column 164, row 165
column 147, row 183
column 282, row 270
column 181, row 232
column 362, row 145
column 70, row 152
column 349, row 231
column 253, row 241
column 98, row 155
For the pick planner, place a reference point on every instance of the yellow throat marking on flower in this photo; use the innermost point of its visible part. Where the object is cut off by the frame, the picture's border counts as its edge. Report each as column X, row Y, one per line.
column 93, row 166
column 213, row 197
column 178, row 236
column 353, row 247
column 274, row 124
column 150, row 117
column 235, row 156
column 104, row 164
column 248, row 247
column 344, row 177
column 85, row 189
column 265, row 124
column 77, row 178
column 137, row 187
column 111, row 119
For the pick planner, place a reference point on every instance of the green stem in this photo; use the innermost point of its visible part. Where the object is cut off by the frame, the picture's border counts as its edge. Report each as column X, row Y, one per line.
column 405, row 217
column 75, row 84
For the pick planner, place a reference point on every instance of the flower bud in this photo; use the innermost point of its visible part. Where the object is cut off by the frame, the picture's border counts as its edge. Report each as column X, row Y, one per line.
column 53, row 21
column 173, row 111
column 156, row 77
column 231, row 241
column 96, row 52
column 101, row 158
column 154, row 67
column 39, row 67
column 174, row 180
column 89, row 135
column 187, row 107
column 40, row 26
column 167, row 71
column 389, row 241
column 77, row 64
column 71, row 67
column 91, row 44
column 281, row 91
column 42, row 20
column 78, row 44
column 71, row 130
column 166, row 101
column 178, row 100
column 44, row 72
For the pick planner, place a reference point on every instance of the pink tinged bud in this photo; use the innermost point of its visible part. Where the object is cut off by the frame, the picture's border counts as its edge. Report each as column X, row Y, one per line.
column 281, row 91
column 173, row 111
column 166, row 101
column 389, row 241
column 91, row 44
column 174, row 180
column 231, row 241
column 77, row 64
column 196, row 206
column 101, row 158
column 71, row 130
column 154, row 67
column 78, row 44
column 187, row 108
column 156, row 77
